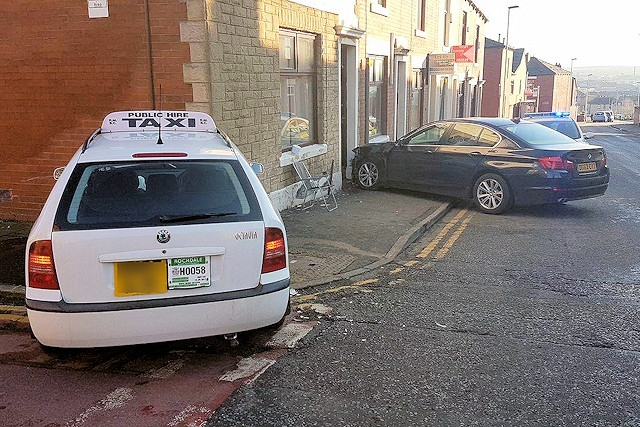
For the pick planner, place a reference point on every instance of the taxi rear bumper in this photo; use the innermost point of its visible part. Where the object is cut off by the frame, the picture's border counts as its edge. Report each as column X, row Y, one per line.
column 77, row 327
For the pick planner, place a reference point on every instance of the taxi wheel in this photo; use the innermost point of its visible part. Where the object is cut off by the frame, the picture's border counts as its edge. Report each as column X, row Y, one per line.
column 55, row 352
column 281, row 321
column 368, row 175
column 491, row 194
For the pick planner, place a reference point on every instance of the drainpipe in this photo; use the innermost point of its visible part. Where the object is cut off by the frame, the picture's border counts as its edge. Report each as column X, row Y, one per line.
column 152, row 93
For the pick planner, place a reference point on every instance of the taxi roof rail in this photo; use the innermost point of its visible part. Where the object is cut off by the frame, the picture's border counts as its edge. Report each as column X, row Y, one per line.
column 90, row 138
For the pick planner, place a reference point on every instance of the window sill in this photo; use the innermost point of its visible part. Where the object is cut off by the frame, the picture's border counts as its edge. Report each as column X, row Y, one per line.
column 422, row 34
column 380, row 10
column 379, row 139
column 305, row 152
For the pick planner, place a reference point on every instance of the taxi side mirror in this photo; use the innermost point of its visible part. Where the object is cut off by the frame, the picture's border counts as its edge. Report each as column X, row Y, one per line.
column 258, row 168
column 57, row 173
column 589, row 135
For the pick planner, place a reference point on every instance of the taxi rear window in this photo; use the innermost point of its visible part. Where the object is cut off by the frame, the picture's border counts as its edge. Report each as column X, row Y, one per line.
column 154, row 193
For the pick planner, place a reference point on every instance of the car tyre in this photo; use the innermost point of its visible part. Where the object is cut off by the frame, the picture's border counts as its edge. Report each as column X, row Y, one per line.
column 284, row 316
column 368, row 175
column 491, row 194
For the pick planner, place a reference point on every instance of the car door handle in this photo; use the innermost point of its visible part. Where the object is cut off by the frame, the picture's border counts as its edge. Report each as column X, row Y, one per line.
column 475, row 154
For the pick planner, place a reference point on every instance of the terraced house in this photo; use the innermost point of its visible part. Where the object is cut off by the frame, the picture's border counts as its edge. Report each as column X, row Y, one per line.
column 323, row 76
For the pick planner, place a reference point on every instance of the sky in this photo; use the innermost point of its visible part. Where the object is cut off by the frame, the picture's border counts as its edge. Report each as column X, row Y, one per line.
column 595, row 32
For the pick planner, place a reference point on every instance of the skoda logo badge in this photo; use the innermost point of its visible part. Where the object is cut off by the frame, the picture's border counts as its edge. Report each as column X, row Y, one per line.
column 163, row 236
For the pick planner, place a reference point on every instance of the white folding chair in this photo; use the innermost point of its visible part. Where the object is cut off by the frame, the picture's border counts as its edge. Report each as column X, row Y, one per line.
column 314, row 187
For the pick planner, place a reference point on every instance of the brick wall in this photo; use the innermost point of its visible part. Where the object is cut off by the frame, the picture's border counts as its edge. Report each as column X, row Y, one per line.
column 545, row 101
column 63, row 72
column 492, row 72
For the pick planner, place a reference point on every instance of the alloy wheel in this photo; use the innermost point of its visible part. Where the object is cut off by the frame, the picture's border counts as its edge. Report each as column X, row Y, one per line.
column 368, row 175
column 490, row 194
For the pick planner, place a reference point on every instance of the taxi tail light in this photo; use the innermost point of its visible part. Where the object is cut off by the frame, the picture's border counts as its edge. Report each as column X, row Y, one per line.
column 275, row 253
column 42, row 271
column 556, row 163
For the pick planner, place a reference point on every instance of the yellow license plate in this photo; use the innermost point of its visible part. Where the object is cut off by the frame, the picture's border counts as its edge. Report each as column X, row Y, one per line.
column 587, row 167
column 140, row 278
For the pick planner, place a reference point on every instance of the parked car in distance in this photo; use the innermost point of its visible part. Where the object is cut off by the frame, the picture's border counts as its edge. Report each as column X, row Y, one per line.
column 493, row 161
column 609, row 115
column 154, row 235
column 563, row 123
column 599, row 116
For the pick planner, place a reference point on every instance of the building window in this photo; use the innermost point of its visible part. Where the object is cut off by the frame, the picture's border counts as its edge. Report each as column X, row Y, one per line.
column 377, row 94
column 477, row 46
column 463, row 38
column 380, row 7
column 297, row 89
column 513, row 87
column 448, row 20
column 422, row 15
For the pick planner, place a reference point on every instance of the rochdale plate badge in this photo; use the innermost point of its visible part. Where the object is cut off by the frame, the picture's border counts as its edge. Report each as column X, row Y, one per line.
column 163, row 236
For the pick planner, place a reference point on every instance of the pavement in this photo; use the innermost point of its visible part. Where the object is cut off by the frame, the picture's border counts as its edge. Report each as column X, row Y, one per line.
column 367, row 230
column 627, row 127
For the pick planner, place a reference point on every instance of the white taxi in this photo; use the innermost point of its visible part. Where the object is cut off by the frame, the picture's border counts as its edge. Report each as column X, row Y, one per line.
column 158, row 229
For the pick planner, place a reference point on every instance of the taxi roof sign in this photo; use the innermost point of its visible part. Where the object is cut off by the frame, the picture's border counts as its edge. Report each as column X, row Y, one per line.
column 146, row 121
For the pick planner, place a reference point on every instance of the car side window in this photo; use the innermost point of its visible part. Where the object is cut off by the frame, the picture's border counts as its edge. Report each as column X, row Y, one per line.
column 488, row 138
column 431, row 135
column 464, row 135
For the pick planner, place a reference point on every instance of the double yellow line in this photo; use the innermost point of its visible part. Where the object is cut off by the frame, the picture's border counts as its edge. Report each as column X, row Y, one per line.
column 461, row 221
column 444, row 249
column 15, row 315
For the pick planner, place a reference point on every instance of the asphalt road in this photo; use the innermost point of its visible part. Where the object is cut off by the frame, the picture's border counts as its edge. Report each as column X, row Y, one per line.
column 529, row 318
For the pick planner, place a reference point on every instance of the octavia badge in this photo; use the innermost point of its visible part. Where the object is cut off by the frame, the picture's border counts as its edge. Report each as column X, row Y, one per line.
column 163, row 236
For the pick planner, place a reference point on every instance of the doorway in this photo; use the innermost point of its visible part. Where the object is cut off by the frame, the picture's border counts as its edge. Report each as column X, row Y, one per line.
column 401, row 99
column 348, row 106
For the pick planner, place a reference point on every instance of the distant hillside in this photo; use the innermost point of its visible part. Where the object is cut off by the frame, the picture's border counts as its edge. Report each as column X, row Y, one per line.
column 624, row 73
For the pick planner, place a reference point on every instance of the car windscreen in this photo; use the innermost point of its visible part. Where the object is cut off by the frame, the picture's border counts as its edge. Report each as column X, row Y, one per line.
column 536, row 135
column 566, row 127
column 156, row 193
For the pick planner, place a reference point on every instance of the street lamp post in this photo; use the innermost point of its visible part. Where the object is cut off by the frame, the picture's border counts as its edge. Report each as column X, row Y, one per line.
column 506, row 63
column 571, row 99
column 586, row 98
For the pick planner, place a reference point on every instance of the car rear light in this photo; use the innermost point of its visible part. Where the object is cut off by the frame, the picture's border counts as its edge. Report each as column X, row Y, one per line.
column 42, row 271
column 556, row 163
column 275, row 254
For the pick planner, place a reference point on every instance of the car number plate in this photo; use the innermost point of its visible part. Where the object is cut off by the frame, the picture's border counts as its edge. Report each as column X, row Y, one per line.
column 140, row 278
column 587, row 167
column 189, row 272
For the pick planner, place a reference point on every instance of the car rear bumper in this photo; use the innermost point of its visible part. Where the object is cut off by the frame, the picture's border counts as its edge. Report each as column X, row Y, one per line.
column 556, row 194
column 104, row 328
